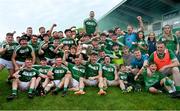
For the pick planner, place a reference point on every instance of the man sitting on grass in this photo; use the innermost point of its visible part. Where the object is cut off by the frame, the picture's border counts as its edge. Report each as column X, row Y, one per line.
column 109, row 73
column 59, row 75
column 23, row 79
column 93, row 75
column 43, row 79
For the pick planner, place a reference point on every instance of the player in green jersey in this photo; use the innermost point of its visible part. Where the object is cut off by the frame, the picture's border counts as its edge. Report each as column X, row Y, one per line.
column 93, row 74
column 109, row 73
column 68, row 40
column 6, row 50
column 34, row 43
column 77, row 74
column 60, row 77
column 24, row 79
column 43, row 79
column 22, row 52
column 90, row 24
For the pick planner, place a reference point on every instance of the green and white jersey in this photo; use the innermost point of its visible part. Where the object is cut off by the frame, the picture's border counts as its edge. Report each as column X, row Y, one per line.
column 108, row 71
column 76, row 71
column 10, row 48
column 150, row 81
column 42, row 69
column 142, row 43
column 169, row 42
column 68, row 41
column 123, row 76
column 100, row 60
column 26, row 75
column 121, row 39
column 23, row 52
column 90, row 25
column 110, row 44
column 34, row 46
column 59, row 72
column 92, row 69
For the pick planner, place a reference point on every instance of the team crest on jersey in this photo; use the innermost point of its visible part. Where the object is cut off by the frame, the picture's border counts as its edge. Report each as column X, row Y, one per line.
column 23, row 50
column 91, row 23
column 28, row 73
column 108, row 69
column 58, row 71
column 68, row 42
column 43, row 70
column 93, row 67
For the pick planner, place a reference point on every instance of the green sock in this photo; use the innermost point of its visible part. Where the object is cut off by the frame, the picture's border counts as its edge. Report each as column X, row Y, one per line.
column 177, row 88
column 101, row 88
column 30, row 90
column 57, row 89
column 65, row 88
column 14, row 91
column 168, row 82
column 81, row 88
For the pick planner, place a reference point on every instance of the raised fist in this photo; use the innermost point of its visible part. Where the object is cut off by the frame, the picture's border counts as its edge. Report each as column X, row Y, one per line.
column 54, row 25
column 139, row 17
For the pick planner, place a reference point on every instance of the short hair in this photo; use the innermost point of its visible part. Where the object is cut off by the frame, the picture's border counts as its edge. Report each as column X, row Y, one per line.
column 93, row 53
column 23, row 38
column 103, row 34
column 107, row 56
column 159, row 42
column 43, row 59
column 28, row 59
column 60, row 31
column 115, row 44
column 116, row 28
column 136, row 49
column 73, row 47
column 29, row 27
column 54, row 32
column 41, row 28
column 9, row 34
column 67, row 30
column 45, row 35
column 110, row 31
column 122, row 65
column 152, row 63
column 125, row 47
column 114, row 35
column 34, row 35
column 85, row 35
column 91, row 11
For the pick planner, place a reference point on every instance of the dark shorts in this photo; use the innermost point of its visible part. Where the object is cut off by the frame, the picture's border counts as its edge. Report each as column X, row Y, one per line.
column 157, row 86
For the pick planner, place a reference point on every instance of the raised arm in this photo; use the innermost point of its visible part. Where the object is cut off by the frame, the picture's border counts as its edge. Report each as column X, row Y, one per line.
column 141, row 25
column 51, row 29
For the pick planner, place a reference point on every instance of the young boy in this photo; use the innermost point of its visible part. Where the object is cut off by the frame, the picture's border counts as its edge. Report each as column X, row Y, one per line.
column 123, row 79
column 155, row 82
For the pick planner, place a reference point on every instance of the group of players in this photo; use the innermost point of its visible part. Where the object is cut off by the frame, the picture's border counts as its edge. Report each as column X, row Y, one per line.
column 50, row 62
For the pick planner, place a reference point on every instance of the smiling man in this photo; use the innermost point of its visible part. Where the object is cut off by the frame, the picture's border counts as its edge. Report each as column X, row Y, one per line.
column 167, row 63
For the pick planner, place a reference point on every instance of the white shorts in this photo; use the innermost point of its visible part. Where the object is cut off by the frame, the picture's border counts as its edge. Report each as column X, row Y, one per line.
column 56, row 82
column 6, row 63
column 19, row 63
column 23, row 85
column 112, row 83
column 89, row 82
column 74, row 83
